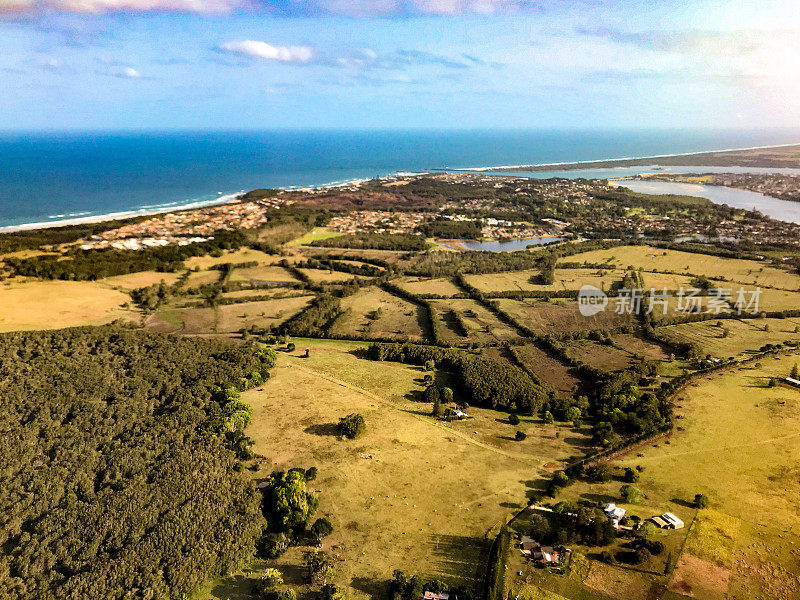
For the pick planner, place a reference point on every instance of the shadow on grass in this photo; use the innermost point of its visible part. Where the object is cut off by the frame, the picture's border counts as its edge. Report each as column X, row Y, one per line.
column 601, row 498
column 235, row 587
column 371, row 587
column 323, row 429
column 457, row 557
column 682, row 502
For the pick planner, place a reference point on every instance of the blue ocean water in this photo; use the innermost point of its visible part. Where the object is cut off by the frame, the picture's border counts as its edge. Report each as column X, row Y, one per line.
column 47, row 177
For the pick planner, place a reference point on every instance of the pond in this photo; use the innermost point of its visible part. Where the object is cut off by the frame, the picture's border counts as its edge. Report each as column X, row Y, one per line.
column 509, row 245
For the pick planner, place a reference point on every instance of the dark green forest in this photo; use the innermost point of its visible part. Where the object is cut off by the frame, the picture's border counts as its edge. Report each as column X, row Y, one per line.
column 120, row 477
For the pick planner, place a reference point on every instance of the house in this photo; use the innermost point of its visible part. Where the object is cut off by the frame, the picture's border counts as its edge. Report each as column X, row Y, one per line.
column 660, row 522
column 546, row 554
column 436, row 596
column 532, row 548
column 614, row 512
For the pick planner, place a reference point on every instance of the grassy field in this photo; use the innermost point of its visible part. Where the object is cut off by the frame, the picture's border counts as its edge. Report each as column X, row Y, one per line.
column 742, row 335
column 565, row 279
column 374, row 312
column 237, row 256
column 599, row 356
column 263, row 273
column 482, row 324
column 738, row 442
column 318, row 233
column 420, row 285
column 744, row 272
column 554, row 372
column 138, row 280
column 320, row 276
column 28, row 304
column 228, row 318
column 412, row 493
column 560, row 315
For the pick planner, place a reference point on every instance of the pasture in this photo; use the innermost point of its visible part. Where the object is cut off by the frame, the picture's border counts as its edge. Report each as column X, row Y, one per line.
column 481, row 324
column 31, row 304
column 412, row 493
column 376, row 313
column 422, row 285
column 740, row 271
column 561, row 315
column 732, row 337
column 528, row 280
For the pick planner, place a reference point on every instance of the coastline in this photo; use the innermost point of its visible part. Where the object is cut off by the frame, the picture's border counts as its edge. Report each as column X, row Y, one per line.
column 616, row 162
column 538, row 167
column 160, row 210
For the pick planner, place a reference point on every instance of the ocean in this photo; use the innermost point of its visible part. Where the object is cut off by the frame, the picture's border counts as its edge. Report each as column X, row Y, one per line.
column 49, row 178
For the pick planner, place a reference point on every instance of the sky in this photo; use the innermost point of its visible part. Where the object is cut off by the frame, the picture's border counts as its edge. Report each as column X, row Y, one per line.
column 463, row 64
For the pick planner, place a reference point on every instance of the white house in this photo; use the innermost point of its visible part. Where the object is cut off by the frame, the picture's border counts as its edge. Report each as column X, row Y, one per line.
column 614, row 512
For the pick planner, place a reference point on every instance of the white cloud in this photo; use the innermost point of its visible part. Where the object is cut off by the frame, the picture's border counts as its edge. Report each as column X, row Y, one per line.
column 263, row 50
column 13, row 6
column 130, row 73
column 102, row 6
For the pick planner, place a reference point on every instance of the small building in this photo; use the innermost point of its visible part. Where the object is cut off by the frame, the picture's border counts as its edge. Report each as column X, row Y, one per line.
column 659, row 522
column 673, row 522
column 792, row 381
column 436, row 596
column 614, row 512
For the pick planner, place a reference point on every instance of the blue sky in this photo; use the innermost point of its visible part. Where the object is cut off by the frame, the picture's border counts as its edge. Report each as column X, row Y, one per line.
column 109, row 64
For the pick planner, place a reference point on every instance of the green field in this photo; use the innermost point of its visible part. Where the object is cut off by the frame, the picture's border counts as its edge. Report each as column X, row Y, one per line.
column 412, row 493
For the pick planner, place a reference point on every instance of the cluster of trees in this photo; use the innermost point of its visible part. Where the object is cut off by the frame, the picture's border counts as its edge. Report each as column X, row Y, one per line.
column 485, row 382
column 112, row 482
column 377, row 241
column 288, row 507
column 445, row 228
column 366, row 270
column 405, row 587
column 315, row 319
column 89, row 265
column 573, row 523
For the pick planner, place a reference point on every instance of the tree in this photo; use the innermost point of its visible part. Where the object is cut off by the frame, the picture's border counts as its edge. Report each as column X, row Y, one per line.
column 331, row 592
column 574, row 414
column 290, row 347
column 641, row 555
column 291, row 504
column 647, row 531
column 321, row 528
column 599, row 473
column 631, row 494
column 631, row 475
column 513, row 419
column 795, row 374
column 447, row 395
column 548, row 417
column 432, row 394
column 520, row 435
column 311, row 473
column 701, row 501
column 437, row 407
column 351, row 426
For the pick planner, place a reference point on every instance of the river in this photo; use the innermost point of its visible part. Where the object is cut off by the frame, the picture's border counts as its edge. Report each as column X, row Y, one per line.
column 783, row 210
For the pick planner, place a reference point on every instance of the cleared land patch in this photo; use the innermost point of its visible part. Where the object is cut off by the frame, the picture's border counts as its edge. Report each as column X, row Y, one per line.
column 376, row 313
column 27, row 304
column 560, row 315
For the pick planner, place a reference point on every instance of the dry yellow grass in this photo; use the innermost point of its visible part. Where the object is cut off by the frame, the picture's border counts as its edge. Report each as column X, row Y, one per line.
column 26, row 305
column 138, row 280
column 741, row 271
